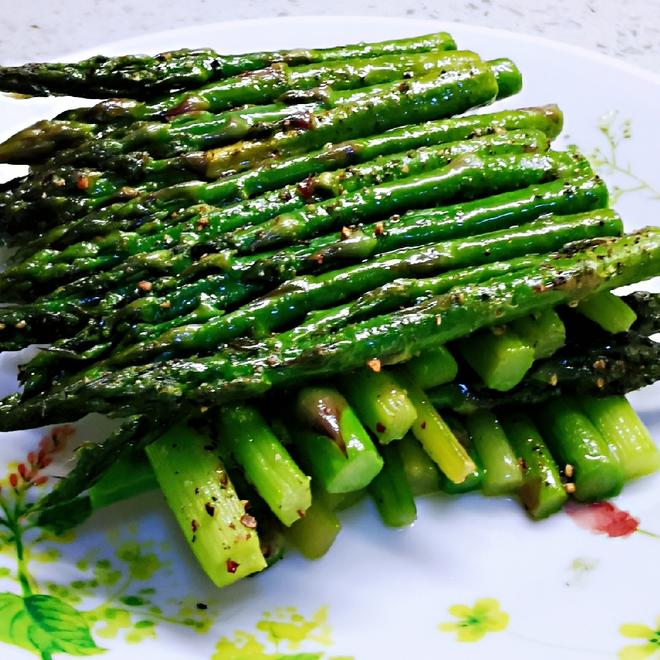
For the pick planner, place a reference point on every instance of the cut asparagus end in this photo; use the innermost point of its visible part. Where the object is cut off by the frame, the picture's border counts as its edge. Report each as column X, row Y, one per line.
column 267, row 464
column 336, row 448
column 574, row 441
column 331, row 468
column 475, row 479
column 381, row 403
column 213, row 519
column 422, row 473
column 609, row 311
column 314, row 534
column 434, row 367
column 499, row 356
column 542, row 492
column 543, row 330
column 435, row 435
column 130, row 476
column 391, row 491
column 503, row 473
column 628, row 438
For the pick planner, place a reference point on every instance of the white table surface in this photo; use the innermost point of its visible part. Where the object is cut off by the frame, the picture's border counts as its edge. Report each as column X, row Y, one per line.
column 32, row 30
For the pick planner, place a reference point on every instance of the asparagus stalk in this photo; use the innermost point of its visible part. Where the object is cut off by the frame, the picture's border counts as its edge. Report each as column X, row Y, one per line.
column 609, row 311
column 380, row 402
column 113, row 149
column 499, row 356
column 231, row 374
column 432, row 368
column 86, row 257
column 137, row 76
column 214, row 521
column 380, row 108
column 314, row 534
column 261, row 87
column 544, row 331
column 46, row 367
column 468, row 176
column 542, row 492
column 628, row 438
column 391, row 491
column 425, row 98
column 422, row 473
column 131, row 475
column 502, row 471
column 611, row 366
column 266, row 462
column 284, row 171
column 332, row 443
column 225, row 292
column 473, row 480
column 436, row 437
column 289, row 302
column 94, row 460
column 413, row 228
column 576, row 442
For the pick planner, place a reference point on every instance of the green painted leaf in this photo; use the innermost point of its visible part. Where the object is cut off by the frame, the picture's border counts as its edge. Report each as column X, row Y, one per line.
column 44, row 624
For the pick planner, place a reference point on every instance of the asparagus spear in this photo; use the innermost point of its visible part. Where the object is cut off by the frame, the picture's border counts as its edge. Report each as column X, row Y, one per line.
column 432, row 368
column 266, row 462
column 544, row 331
column 246, row 372
column 499, row 356
column 608, row 311
column 381, row 107
column 332, row 442
column 42, row 370
column 425, row 98
column 259, row 88
column 468, row 176
column 214, row 521
column 542, row 492
column 502, row 472
column 391, row 491
column 131, row 475
column 381, row 403
column 603, row 366
column 291, row 300
column 55, row 143
column 574, row 441
column 287, row 170
column 628, row 438
column 412, row 228
column 314, row 534
column 422, row 473
column 94, row 460
column 436, row 436
column 460, row 179
column 89, row 256
column 143, row 76
column 474, row 480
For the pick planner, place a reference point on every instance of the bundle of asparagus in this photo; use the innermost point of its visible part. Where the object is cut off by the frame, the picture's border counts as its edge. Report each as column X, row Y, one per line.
column 302, row 276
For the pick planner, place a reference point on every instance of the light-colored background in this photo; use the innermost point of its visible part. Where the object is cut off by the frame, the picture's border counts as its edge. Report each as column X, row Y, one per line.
column 41, row 29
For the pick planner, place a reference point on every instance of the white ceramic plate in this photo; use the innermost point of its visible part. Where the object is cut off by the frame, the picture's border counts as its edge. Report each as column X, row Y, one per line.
column 552, row 589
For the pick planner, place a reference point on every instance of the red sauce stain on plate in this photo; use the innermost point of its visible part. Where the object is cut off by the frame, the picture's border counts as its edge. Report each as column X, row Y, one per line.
column 603, row 518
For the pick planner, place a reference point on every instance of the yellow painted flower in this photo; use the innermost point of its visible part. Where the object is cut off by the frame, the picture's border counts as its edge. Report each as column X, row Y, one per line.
column 475, row 622
column 649, row 648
